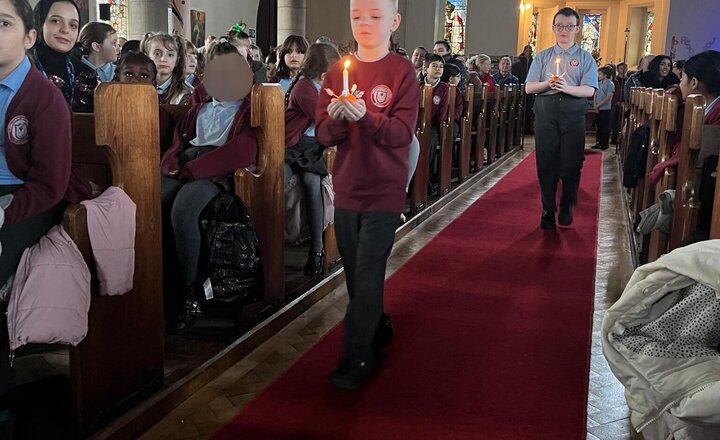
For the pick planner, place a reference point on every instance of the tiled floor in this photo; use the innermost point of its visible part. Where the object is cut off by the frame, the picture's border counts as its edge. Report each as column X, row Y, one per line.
column 215, row 404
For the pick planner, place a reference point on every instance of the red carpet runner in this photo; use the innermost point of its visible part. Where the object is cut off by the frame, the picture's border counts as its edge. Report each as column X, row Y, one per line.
column 493, row 326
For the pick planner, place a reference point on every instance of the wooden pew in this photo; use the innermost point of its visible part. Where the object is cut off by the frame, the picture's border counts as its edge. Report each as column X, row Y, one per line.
column 466, row 135
column 658, row 241
column 481, row 97
column 511, row 117
column 503, row 121
column 121, row 358
column 447, row 138
column 493, row 126
column 332, row 253
column 687, row 205
column 654, row 114
column 644, row 100
column 423, row 131
column 520, row 116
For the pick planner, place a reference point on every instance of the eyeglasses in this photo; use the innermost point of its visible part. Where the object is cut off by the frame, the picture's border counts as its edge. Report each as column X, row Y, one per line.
column 566, row 28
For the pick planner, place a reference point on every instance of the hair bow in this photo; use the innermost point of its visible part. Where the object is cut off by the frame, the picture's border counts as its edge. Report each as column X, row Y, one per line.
column 238, row 27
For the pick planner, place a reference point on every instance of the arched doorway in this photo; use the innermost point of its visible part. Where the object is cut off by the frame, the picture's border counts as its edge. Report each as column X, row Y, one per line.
column 267, row 25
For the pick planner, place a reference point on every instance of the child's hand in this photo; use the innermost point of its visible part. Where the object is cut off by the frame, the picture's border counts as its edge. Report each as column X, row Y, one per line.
column 336, row 110
column 559, row 84
column 354, row 111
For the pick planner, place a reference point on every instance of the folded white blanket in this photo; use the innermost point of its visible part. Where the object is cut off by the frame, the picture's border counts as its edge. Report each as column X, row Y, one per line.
column 4, row 203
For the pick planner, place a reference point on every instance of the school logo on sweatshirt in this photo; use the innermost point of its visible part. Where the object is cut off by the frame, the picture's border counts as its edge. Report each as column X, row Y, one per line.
column 436, row 100
column 381, row 96
column 17, row 130
column 574, row 63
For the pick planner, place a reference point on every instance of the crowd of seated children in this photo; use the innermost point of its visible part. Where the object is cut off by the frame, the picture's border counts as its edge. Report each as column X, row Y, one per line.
column 479, row 72
column 211, row 142
column 304, row 154
column 168, row 54
column 290, row 57
column 58, row 25
column 602, row 106
column 98, row 49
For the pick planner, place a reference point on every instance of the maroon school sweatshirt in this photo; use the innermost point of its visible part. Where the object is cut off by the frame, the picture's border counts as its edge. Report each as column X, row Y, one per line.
column 38, row 146
column 441, row 96
column 371, row 167
column 300, row 112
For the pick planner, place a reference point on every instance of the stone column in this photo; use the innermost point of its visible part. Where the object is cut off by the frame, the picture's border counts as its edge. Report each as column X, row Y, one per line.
column 145, row 16
column 291, row 19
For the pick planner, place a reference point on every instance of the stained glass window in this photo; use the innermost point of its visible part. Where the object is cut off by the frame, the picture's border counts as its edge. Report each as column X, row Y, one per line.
column 118, row 16
column 532, row 32
column 455, row 16
column 648, row 32
column 591, row 32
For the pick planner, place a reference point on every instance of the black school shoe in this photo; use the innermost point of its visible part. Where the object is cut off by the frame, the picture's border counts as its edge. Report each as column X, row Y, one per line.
column 314, row 263
column 352, row 374
column 547, row 221
column 185, row 320
column 565, row 216
column 383, row 334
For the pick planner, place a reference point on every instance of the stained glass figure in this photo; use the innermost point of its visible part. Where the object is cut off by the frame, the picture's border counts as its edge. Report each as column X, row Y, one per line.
column 455, row 17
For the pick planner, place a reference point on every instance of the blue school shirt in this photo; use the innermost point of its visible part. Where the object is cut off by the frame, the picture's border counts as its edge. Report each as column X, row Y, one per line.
column 285, row 84
column 311, row 129
column 8, row 88
column 105, row 73
column 214, row 122
column 605, row 88
column 577, row 64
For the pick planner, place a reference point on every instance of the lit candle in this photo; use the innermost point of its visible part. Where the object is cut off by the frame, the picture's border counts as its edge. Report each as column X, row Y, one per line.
column 557, row 66
column 346, row 87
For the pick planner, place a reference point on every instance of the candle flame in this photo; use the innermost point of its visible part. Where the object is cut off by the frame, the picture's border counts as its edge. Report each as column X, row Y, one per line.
column 347, row 63
column 557, row 60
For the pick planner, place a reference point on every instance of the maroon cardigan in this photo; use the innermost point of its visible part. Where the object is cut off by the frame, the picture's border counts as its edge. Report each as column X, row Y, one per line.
column 300, row 112
column 38, row 146
column 239, row 151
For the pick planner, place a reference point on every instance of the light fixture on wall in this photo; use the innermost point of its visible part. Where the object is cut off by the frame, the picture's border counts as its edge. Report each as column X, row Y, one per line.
column 525, row 6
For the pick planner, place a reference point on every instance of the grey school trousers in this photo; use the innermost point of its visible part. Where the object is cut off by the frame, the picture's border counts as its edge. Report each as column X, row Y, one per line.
column 364, row 240
column 559, row 146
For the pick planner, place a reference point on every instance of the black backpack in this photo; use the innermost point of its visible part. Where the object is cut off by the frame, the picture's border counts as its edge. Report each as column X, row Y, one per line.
column 233, row 251
column 636, row 160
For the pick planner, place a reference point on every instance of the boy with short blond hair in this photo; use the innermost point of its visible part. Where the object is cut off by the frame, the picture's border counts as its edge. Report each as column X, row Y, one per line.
column 372, row 134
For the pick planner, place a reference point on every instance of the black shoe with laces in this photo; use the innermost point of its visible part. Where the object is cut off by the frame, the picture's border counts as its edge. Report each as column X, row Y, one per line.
column 565, row 216
column 185, row 320
column 547, row 221
column 352, row 374
column 314, row 263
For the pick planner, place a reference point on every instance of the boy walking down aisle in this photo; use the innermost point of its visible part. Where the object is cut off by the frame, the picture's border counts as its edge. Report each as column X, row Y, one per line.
column 373, row 134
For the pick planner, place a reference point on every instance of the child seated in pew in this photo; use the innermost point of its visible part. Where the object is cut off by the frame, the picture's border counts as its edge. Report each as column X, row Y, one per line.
column 168, row 54
column 35, row 153
column 97, row 49
column 459, row 97
column 211, row 142
column 289, row 59
column 191, row 64
column 433, row 68
column 701, row 75
column 304, row 154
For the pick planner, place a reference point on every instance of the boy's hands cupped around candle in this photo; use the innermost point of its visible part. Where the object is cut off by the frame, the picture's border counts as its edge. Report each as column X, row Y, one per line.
column 346, row 110
column 558, row 83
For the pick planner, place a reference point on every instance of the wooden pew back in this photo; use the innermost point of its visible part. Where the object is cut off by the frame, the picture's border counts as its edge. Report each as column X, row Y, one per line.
column 466, row 135
column 419, row 183
column 481, row 97
column 495, row 101
column 121, row 358
column 447, row 138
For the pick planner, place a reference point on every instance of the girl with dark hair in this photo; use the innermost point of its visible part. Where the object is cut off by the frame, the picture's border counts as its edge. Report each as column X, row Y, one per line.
column 97, row 47
column 659, row 74
column 304, row 154
column 168, row 54
column 212, row 141
column 271, row 65
column 135, row 68
column 289, row 59
column 58, row 24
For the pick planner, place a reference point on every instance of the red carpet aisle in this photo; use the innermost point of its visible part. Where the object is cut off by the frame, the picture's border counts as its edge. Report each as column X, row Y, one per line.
column 493, row 325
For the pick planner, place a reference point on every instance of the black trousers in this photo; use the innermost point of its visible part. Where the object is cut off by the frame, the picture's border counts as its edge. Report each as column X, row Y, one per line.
column 559, row 146
column 603, row 127
column 365, row 240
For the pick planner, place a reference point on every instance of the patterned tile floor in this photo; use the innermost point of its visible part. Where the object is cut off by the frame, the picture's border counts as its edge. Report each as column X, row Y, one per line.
column 216, row 403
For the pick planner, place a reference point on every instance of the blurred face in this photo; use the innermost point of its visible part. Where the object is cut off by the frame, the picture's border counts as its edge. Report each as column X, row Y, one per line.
column 255, row 54
column 645, row 62
column 434, row 70
column 108, row 49
column 665, row 67
column 504, row 66
column 418, row 57
column 164, row 59
column 294, row 58
column 228, row 77
column 271, row 69
column 372, row 22
column 601, row 75
column 121, row 42
column 440, row 49
column 136, row 73
column 622, row 70
column 61, row 27
column 14, row 40
column 565, row 29
column 454, row 80
column 484, row 66
column 677, row 71
column 190, row 63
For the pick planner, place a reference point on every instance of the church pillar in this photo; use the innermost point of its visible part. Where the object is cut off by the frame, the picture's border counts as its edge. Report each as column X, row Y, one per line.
column 290, row 19
column 145, row 16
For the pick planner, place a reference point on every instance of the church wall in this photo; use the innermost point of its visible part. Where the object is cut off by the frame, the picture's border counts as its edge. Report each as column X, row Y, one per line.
column 221, row 14
column 492, row 27
column 330, row 18
column 693, row 24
